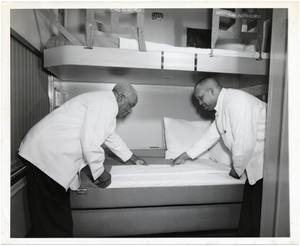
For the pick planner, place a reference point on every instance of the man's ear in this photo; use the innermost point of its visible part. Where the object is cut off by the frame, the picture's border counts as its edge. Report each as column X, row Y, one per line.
column 211, row 91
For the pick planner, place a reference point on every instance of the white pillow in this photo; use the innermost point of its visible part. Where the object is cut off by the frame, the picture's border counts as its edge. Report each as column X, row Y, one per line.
column 220, row 153
column 230, row 44
column 180, row 135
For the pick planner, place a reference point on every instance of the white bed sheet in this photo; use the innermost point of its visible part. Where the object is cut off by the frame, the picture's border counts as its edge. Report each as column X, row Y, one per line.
column 200, row 172
column 125, row 43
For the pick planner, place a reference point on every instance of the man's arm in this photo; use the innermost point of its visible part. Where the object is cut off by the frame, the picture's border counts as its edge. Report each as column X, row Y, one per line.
column 234, row 174
column 243, row 121
column 138, row 161
column 95, row 129
column 104, row 180
column 210, row 137
column 180, row 159
column 118, row 146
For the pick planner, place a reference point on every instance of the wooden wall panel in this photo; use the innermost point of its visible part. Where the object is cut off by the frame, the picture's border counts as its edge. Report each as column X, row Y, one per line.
column 29, row 95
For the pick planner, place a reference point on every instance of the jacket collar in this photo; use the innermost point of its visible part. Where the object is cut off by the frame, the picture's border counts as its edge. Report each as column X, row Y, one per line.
column 220, row 100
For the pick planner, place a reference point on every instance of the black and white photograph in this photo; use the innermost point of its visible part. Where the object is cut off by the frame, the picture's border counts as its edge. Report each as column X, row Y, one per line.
column 149, row 122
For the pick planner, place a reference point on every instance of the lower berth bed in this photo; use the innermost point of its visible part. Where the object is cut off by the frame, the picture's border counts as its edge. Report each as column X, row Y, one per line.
column 141, row 200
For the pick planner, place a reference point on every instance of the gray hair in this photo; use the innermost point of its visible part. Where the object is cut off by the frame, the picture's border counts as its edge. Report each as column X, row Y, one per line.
column 125, row 89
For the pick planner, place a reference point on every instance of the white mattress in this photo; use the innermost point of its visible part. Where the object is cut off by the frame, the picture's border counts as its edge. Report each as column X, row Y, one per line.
column 192, row 173
column 233, row 50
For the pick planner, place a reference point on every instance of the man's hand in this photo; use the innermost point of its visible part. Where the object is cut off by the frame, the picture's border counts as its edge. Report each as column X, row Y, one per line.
column 180, row 159
column 138, row 161
column 104, row 180
column 141, row 162
column 233, row 173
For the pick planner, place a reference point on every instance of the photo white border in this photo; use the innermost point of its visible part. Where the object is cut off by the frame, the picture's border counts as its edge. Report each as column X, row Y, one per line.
column 293, row 61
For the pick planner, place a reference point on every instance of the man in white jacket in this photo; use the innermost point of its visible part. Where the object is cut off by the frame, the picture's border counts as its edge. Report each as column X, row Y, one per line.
column 240, row 120
column 62, row 143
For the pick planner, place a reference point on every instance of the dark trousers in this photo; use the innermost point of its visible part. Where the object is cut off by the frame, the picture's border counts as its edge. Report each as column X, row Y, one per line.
column 249, row 225
column 49, row 205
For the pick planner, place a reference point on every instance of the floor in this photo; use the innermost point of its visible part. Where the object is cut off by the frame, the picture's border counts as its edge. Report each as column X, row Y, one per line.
column 216, row 233
column 197, row 234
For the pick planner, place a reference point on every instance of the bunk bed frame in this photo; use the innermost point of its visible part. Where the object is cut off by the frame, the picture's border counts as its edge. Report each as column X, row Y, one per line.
column 61, row 60
column 139, row 211
column 238, row 31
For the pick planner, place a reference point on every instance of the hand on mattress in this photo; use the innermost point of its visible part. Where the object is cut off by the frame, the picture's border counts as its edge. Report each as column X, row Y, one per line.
column 141, row 162
column 233, row 173
column 104, row 180
column 138, row 161
column 180, row 159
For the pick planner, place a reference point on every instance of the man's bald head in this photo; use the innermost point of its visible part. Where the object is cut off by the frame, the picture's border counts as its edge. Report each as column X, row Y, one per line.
column 207, row 91
column 207, row 83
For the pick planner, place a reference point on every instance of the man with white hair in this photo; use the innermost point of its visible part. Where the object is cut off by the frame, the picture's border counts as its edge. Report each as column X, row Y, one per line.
column 62, row 143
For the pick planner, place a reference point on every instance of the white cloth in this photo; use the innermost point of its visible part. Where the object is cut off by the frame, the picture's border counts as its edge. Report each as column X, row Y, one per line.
column 193, row 173
column 241, row 122
column 70, row 137
column 126, row 43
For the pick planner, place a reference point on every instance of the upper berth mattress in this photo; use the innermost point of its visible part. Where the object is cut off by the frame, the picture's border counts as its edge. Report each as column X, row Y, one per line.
column 108, row 41
column 198, row 182
column 231, row 49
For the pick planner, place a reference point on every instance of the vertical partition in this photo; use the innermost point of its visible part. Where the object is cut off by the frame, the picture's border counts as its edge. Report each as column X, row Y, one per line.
column 276, row 179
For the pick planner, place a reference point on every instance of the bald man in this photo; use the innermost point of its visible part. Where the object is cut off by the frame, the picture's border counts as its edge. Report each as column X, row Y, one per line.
column 240, row 120
column 61, row 144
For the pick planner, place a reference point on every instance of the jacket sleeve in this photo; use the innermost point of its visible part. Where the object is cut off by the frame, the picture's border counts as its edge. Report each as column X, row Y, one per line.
column 243, row 122
column 99, row 122
column 210, row 137
column 118, row 146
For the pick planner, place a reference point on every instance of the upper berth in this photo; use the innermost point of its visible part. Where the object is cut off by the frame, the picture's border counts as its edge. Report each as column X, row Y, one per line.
column 238, row 50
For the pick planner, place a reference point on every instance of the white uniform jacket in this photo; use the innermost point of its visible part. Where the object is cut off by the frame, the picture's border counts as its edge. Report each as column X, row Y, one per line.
column 240, row 120
column 70, row 137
